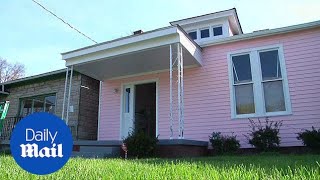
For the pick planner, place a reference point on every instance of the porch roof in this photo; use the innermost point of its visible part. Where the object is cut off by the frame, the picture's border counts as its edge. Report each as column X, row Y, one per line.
column 142, row 53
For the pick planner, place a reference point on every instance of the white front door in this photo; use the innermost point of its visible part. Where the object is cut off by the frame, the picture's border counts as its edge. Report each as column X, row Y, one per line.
column 127, row 110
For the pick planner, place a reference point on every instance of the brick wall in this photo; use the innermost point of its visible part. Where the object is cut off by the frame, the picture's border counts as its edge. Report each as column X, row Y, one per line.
column 83, row 119
column 88, row 108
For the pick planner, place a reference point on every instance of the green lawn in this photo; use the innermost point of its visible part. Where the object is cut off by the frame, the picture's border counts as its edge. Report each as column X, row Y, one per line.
column 222, row 167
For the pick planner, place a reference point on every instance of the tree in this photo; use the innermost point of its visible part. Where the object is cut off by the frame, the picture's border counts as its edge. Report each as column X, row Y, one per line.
column 10, row 71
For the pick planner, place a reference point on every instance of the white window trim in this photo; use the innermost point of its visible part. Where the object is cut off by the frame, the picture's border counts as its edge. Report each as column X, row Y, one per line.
column 257, row 85
column 205, row 28
column 216, row 26
column 194, row 30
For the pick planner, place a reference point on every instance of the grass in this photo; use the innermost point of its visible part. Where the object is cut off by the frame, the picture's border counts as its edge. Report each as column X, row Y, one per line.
column 268, row 166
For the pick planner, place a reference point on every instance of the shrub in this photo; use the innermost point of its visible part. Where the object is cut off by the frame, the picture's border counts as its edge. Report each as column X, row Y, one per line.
column 223, row 143
column 264, row 137
column 310, row 138
column 140, row 145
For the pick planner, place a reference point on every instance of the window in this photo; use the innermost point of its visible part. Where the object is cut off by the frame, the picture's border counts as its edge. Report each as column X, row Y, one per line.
column 193, row 35
column 204, row 33
column 272, row 81
column 43, row 103
column 127, row 100
column 217, row 31
column 258, row 84
column 50, row 104
column 243, row 85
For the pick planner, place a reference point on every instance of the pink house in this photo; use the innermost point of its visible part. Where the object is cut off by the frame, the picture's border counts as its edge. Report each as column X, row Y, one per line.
column 203, row 74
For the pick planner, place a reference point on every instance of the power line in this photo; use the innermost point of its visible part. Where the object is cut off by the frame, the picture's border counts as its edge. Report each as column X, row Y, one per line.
column 64, row 21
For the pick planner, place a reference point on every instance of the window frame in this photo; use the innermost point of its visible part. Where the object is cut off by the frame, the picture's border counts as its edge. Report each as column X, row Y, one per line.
column 193, row 31
column 217, row 26
column 258, row 91
column 33, row 98
column 205, row 28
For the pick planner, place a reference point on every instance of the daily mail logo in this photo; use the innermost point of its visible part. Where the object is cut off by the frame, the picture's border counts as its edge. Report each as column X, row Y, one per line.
column 41, row 143
column 32, row 150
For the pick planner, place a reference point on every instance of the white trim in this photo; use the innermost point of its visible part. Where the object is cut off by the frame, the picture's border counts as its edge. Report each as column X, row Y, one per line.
column 121, row 42
column 69, row 94
column 147, row 73
column 190, row 46
column 192, row 31
column 285, row 80
column 35, row 76
column 133, row 44
column 65, row 93
column 229, row 14
column 223, row 23
column 133, row 83
column 121, row 110
column 205, row 28
column 225, row 30
column 99, row 109
column 257, row 82
column 170, row 93
column 263, row 33
column 179, row 88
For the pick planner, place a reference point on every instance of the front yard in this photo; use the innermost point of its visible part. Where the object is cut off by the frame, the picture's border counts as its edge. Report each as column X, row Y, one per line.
column 267, row 166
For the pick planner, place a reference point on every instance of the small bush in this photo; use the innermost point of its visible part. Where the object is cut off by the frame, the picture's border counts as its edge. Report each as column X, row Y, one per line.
column 223, row 143
column 140, row 144
column 264, row 137
column 310, row 138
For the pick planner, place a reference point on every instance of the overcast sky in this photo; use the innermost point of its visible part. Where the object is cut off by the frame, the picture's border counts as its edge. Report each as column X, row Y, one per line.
column 30, row 35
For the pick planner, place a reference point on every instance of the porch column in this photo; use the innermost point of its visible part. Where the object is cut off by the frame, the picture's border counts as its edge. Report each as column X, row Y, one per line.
column 65, row 93
column 69, row 94
column 180, row 92
column 180, row 98
column 66, row 98
column 171, row 102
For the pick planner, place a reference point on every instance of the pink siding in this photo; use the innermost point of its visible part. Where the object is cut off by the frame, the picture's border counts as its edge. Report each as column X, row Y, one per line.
column 207, row 101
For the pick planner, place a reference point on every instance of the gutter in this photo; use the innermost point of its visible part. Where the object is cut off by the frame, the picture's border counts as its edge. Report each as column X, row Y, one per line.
column 34, row 77
column 264, row 33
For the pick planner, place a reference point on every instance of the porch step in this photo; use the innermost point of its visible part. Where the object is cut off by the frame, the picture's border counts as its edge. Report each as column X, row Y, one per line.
column 96, row 152
column 89, row 154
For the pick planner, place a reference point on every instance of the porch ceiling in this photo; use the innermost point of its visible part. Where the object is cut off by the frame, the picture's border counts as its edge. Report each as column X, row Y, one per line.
column 147, row 52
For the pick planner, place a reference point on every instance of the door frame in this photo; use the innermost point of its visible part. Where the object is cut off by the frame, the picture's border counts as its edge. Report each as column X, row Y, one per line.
column 134, row 83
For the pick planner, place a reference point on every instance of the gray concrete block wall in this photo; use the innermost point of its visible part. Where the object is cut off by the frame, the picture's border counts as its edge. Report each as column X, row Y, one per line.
column 49, row 85
column 85, row 101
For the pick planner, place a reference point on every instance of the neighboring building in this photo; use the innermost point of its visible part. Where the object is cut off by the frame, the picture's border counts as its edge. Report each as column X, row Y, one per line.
column 45, row 92
column 228, row 77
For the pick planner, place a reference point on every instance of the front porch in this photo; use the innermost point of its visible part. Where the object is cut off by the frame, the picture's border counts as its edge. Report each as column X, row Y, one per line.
column 168, row 51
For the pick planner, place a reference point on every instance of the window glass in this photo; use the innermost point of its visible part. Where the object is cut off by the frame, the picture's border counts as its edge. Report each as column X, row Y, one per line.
column 38, row 105
column 43, row 103
column 241, row 68
column 204, row 33
column 193, row 35
column 273, row 96
column 270, row 65
column 127, row 100
column 217, row 31
column 269, row 95
column 50, row 104
column 244, row 99
column 26, row 107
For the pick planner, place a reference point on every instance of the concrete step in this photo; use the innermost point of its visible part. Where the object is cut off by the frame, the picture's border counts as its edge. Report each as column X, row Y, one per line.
column 96, row 152
column 93, row 155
